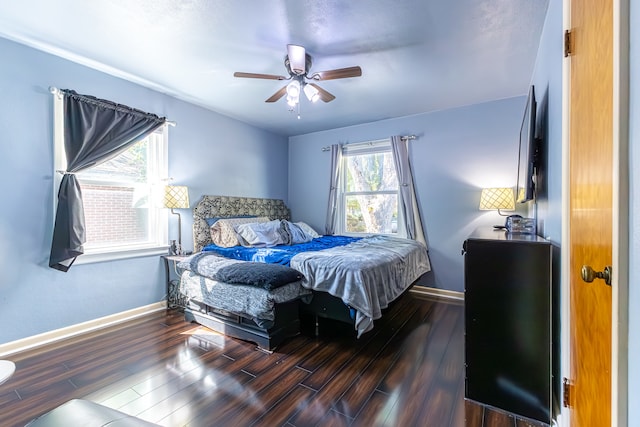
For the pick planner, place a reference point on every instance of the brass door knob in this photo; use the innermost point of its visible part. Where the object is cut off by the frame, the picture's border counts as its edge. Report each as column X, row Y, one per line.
column 589, row 274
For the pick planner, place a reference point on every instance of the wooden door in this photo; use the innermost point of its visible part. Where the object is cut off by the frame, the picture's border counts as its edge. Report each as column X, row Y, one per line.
column 590, row 208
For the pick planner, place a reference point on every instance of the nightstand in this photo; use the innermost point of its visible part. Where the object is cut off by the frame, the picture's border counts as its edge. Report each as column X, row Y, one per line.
column 174, row 300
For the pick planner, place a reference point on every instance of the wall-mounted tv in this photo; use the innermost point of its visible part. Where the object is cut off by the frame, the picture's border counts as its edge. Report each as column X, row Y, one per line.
column 525, row 187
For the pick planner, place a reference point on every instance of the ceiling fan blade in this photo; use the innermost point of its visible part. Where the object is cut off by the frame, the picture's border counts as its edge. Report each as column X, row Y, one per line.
column 297, row 59
column 324, row 95
column 340, row 73
column 259, row 76
column 279, row 94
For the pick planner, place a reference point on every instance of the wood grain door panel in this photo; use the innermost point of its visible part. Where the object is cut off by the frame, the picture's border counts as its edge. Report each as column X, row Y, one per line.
column 590, row 205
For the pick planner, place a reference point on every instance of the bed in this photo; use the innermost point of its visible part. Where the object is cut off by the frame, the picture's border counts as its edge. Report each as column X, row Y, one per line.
column 352, row 281
column 265, row 317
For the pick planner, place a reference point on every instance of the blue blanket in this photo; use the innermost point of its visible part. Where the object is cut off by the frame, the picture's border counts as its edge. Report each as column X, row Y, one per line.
column 280, row 254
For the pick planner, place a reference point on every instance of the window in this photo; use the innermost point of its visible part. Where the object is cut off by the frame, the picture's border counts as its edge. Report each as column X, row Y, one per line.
column 122, row 213
column 120, row 203
column 369, row 202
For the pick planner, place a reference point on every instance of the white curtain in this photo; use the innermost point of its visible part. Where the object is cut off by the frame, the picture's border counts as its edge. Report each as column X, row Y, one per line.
column 408, row 201
column 332, row 208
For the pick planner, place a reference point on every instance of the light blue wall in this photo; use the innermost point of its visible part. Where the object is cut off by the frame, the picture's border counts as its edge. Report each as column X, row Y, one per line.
column 634, row 203
column 547, row 79
column 210, row 153
column 458, row 152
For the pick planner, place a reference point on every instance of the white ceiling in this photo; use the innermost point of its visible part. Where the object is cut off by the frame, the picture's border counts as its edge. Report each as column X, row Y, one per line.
column 416, row 55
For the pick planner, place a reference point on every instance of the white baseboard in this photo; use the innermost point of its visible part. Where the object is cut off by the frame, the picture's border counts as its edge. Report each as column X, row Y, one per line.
column 440, row 293
column 77, row 329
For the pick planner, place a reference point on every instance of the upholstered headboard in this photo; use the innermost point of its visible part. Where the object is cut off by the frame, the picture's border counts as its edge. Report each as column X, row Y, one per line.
column 228, row 206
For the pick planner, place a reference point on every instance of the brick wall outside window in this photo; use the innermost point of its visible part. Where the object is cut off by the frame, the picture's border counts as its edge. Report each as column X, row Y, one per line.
column 110, row 217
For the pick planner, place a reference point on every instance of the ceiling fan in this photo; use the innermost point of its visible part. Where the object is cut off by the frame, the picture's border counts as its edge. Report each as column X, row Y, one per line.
column 298, row 65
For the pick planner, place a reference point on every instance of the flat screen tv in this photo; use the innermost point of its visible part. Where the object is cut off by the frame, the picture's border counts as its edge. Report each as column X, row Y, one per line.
column 525, row 187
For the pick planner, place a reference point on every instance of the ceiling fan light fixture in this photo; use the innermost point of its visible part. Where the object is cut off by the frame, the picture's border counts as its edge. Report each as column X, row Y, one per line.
column 293, row 89
column 293, row 93
column 311, row 92
column 298, row 63
column 297, row 58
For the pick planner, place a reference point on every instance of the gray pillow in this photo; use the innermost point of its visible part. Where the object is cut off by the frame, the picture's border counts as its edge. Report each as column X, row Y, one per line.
column 266, row 276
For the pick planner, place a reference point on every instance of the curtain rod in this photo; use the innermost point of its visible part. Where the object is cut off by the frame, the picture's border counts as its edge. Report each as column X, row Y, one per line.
column 404, row 138
column 55, row 91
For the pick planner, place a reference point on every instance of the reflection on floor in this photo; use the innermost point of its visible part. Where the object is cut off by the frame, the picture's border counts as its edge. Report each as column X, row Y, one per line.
column 408, row 371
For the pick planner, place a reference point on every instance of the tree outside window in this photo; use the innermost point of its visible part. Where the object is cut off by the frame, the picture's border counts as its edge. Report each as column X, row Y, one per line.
column 370, row 193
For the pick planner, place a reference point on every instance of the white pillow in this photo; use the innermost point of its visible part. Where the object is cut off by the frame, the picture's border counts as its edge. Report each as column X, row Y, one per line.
column 307, row 229
column 223, row 233
column 261, row 234
column 295, row 233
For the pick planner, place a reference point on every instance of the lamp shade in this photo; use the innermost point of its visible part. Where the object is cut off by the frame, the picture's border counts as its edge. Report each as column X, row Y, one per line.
column 176, row 196
column 293, row 89
column 311, row 92
column 497, row 198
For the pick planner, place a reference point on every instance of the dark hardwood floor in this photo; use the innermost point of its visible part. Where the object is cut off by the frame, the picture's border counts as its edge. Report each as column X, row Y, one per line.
column 408, row 371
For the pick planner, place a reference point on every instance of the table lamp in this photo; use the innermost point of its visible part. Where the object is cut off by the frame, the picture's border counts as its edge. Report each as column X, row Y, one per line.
column 177, row 197
column 497, row 199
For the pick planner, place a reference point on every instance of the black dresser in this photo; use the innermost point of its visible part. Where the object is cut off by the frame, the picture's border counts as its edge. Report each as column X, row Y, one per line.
column 510, row 311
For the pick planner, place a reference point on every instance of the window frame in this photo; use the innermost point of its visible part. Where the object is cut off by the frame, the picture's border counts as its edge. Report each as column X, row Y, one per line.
column 158, row 218
column 356, row 149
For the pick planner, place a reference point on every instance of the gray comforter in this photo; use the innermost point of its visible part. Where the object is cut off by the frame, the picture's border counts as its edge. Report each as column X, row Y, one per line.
column 367, row 274
column 248, row 301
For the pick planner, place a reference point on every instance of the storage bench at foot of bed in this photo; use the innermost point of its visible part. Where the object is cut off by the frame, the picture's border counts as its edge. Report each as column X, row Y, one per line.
column 287, row 323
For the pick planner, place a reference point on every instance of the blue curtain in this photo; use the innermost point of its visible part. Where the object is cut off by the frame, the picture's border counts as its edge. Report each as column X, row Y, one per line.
column 95, row 131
